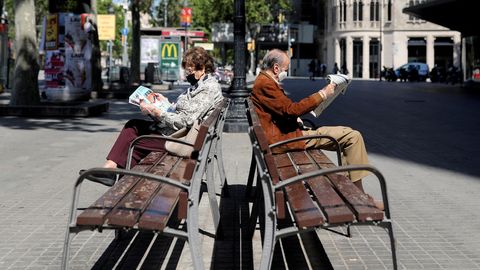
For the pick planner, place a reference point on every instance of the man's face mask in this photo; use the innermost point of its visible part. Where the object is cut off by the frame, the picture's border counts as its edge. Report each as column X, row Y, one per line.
column 282, row 75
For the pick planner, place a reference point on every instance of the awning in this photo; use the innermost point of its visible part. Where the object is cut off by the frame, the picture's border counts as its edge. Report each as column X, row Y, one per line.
column 457, row 15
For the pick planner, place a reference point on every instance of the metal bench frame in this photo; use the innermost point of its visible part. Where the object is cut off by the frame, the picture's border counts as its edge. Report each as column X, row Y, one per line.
column 265, row 192
column 211, row 148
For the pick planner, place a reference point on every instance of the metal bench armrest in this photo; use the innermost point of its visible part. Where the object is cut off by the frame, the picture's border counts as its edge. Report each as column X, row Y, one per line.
column 347, row 168
column 309, row 137
column 148, row 176
column 144, row 137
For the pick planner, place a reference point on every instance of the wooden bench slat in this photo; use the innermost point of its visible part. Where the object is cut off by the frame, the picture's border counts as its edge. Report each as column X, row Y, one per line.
column 362, row 205
column 152, row 158
column 334, row 208
column 305, row 212
column 159, row 210
column 359, row 201
column 128, row 210
column 95, row 214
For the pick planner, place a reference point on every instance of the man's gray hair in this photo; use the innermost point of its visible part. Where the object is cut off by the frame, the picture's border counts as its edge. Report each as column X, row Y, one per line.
column 273, row 57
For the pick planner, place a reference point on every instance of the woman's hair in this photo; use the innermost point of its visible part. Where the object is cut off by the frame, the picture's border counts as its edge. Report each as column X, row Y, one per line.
column 274, row 56
column 198, row 58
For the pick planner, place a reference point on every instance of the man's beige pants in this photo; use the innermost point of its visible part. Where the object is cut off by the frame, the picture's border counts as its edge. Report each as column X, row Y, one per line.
column 351, row 142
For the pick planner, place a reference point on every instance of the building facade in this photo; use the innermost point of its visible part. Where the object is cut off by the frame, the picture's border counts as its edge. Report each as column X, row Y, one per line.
column 365, row 35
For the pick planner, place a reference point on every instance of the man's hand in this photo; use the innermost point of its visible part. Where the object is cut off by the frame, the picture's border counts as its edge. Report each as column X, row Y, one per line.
column 327, row 91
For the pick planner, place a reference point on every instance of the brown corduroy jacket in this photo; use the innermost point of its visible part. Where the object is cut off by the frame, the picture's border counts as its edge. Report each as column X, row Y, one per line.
column 278, row 113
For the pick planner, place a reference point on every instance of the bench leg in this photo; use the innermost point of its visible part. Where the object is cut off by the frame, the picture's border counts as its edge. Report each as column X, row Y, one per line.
column 251, row 176
column 66, row 249
column 269, row 240
column 192, row 225
column 252, row 221
column 212, row 196
column 221, row 169
column 389, row 228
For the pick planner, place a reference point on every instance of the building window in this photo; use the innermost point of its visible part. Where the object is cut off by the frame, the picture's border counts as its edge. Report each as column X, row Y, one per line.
column 389, row 11
column 357, row 11
column 334, row 15
column 374, row 10
column 343, row 11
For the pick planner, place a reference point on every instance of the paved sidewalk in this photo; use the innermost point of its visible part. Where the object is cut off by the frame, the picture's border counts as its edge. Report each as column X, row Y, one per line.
column 435, row 206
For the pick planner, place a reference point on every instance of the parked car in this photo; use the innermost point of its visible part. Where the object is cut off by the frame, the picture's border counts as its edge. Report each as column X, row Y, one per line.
column 413, row 71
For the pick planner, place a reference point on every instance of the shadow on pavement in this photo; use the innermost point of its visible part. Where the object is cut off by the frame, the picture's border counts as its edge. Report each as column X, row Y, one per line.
column 235, row 251
column 154, row 251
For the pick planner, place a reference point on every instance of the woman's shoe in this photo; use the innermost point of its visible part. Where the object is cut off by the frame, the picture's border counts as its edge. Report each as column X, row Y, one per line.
column 107, row 179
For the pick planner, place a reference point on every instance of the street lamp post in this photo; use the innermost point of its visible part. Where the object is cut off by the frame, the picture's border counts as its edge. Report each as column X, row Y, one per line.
column 236, row 120
column 125, row 26
column 380, row 41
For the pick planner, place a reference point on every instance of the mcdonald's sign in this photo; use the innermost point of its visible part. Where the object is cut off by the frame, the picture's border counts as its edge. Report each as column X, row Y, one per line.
column 170, row 60
column 169, row 51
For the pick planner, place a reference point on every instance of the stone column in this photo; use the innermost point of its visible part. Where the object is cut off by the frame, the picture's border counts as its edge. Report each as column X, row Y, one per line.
column 457, row 50
column 349, row 55
column 430, row 51
column 336, row 42
column 366, row 58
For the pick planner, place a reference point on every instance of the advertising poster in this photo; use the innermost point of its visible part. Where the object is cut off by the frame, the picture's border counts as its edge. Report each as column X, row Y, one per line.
column 78, row 50
column 67, row 68
column 149, row 50
column 54, row 64
column 51, row 32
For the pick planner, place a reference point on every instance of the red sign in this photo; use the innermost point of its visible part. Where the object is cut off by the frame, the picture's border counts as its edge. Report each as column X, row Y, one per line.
column 181, row 33
column 186, row 17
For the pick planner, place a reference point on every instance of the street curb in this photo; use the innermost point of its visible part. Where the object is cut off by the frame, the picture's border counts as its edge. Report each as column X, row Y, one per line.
column 82, row 109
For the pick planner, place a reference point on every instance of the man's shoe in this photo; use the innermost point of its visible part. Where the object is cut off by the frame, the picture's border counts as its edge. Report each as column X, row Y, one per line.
column 107, row 179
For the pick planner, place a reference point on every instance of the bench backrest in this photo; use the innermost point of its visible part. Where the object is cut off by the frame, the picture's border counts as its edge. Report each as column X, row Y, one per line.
column 258, row 136
column 207, row 130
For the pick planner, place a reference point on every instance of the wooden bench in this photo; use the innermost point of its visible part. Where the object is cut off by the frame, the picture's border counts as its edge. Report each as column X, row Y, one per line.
column 307, row 186
column 160, row 188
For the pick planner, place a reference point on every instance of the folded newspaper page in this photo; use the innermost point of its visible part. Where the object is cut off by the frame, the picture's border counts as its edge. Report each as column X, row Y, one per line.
column 342, row 81
column 148, row 96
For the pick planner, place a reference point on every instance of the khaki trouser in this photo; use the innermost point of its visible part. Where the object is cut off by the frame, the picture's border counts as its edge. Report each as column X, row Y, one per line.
column 351, row 142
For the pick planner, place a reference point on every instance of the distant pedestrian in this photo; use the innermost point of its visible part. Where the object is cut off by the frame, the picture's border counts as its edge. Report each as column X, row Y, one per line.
column 335, row 69
column 323, row 70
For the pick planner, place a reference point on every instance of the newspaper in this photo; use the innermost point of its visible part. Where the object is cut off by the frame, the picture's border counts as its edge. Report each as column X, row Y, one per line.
column 150, row 97
column 342, row 81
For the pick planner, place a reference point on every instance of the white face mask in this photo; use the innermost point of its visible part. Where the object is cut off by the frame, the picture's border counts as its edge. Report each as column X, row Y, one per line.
column 282, row 75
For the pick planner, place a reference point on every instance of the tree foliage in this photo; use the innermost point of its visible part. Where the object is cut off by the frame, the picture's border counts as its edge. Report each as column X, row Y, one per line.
column 41, row 9
column 207, row 12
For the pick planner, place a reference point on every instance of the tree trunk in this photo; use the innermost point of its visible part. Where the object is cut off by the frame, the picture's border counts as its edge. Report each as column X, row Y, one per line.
column 135, row 57
column 97, row 83
column 25, row 89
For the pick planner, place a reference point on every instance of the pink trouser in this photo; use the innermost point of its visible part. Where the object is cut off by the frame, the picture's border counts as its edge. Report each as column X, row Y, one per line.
column 133, row 129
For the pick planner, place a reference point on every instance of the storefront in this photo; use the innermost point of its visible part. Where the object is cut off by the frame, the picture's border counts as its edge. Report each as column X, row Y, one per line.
column 440, row 12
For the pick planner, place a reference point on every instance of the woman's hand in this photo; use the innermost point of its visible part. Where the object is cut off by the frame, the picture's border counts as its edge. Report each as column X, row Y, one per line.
column 149, row 109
